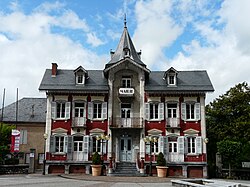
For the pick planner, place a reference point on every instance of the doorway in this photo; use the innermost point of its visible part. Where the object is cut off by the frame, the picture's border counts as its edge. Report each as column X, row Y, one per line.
column 126, row 149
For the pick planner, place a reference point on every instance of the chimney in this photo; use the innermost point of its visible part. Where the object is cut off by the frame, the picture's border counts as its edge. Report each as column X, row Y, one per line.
column 54, row 69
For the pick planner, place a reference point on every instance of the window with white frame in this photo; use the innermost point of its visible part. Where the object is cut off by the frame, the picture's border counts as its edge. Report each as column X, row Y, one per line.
column 171, row 80
column 59, row 146
column 126, row 82
column 97, row 110
column 190, row 111
column 191, row 145
column 154, row 148
column 154, row 110
column 171, row 110
column 96, row 145
column 60, row 110
column 79, row 109
column 79, row 79
column 172, row 144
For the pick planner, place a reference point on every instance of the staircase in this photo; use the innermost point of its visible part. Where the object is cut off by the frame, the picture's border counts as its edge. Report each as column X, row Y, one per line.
column 125, row 169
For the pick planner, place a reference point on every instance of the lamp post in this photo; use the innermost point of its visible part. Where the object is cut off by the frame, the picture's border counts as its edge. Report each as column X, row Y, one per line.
column 45, row 136
column 149, row 140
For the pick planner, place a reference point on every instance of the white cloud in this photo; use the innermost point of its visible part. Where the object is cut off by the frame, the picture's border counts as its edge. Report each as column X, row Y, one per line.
column 94, row 40
column 155, row 29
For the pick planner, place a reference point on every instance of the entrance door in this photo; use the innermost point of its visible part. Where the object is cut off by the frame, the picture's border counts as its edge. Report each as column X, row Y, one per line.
column 78, row 148
column 126, row 114
column 126, row 149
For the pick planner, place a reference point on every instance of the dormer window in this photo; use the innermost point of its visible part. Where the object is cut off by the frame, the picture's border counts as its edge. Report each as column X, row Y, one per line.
column 126, row 82
column 126, row 52
column 80, row 75
column 171, row 77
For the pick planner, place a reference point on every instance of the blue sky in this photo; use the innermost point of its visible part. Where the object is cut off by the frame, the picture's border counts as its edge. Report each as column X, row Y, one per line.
column 187, row 35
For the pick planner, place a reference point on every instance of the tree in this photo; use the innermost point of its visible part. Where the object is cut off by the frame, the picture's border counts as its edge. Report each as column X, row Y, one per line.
column 228, row 118
column 5, row 132
column 230, row 150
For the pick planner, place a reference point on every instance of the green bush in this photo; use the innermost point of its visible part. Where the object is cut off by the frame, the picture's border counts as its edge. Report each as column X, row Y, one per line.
column 161, row 160
column 96, row 159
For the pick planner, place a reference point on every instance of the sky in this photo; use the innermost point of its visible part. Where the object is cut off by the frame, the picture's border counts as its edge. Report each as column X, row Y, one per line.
column 184, row 34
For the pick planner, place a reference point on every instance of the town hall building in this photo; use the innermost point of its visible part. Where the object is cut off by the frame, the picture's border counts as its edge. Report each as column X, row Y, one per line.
column 127, row 113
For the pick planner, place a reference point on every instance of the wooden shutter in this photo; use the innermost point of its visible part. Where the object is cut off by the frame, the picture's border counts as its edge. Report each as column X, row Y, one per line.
column 70, row 148
column 104, row 110
column 197, row 111
column 161, row 144
column 165, row 144
column 105, row 143
column 85, row 147
column 67, row 110
column 52, row 144
column 53, row 110
column 65, row 144
column 73, row 109
column 90, row 110
column 198, row 144
column 147, row 111
column 161, row 111
column 180, row 144
column 183, row 111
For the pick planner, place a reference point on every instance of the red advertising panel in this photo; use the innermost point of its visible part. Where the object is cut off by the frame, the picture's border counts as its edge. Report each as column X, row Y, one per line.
column 15, row 140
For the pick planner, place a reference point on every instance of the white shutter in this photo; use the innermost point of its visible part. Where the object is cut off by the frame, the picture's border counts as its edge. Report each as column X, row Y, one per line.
column 86, row 147
column 197, row 111
column 161, row 144
column 147, row 146
column 90, row 145
column 23, row 137
column 183, row 111
column 180, row 146
column 90, row 110
column 67, row 110
column 185, row 145
column 53, row 110
column 166, row 110
column 147, row 111
column 52, row 144
column 84, row 112
column 104, row 110
column 198, row 144
column 161, row 111
column 105, row 143
column 70, row 147
column 65, row 144
column 165, row 144
column 73, row 109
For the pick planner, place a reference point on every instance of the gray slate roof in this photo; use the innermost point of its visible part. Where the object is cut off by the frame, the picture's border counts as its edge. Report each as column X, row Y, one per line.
column 31, row 110
column 125, row 42
column 189, row 81
column 65, row 81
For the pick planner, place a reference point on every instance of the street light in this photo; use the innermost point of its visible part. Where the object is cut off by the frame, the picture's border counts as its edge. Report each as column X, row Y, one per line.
column 103, row 140
column 45, row 136
column 149, row 140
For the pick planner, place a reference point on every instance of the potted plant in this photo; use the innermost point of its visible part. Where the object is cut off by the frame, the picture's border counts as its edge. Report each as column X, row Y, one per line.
column 96, row 164
column 161, row 165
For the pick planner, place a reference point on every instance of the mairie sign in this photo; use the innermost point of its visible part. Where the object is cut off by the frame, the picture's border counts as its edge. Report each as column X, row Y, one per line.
column 126, row 91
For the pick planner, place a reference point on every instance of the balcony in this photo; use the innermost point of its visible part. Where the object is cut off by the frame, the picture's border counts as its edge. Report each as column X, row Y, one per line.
column 79, row 122
column 173, row 123
column 134, row 122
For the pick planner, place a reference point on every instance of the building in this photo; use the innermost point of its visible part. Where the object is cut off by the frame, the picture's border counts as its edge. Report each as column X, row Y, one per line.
column 114, row 110
column 28, row 115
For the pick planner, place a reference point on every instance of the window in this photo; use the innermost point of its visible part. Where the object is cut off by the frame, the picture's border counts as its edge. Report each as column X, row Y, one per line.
column 191, row 145
column 23, row 136
column 60, row 110
column 171, row 80
column 79, row 79
column 97, row 111
column 59, row 144
column 78, row 143
column 172, row 147
column 79, row 109
column 155, row 148
column 190, row 111
column 172, row 110
column 126, row 82
column 154, row 113
column 96, row 145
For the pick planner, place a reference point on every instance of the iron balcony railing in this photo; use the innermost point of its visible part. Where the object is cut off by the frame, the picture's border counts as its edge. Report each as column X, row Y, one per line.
column 173, row 123
column 79, row 122
column 133, row 122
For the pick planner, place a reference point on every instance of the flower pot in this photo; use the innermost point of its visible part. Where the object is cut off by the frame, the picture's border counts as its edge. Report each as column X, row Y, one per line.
column 161, row 171
column 96, row 170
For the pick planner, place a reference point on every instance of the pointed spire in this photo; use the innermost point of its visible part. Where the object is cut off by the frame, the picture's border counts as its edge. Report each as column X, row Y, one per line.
column 125, row 21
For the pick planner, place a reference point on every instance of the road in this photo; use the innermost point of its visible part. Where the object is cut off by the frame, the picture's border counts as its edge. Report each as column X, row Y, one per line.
column 53, row 180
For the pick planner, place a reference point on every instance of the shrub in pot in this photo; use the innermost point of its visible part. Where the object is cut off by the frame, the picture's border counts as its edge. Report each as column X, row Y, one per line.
column 161, row 165
column 96, row 164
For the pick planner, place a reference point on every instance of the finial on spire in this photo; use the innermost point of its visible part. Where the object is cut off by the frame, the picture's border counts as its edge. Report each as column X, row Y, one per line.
column 125, row 21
